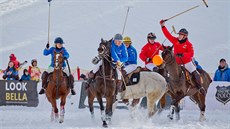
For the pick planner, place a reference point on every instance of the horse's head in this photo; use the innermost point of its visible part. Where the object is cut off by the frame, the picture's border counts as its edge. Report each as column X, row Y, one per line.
column 167, row 54
column 104, row 48
column 58, row 59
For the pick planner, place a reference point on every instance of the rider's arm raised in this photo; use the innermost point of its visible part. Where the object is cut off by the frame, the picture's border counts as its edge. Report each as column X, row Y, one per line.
column 171, row 38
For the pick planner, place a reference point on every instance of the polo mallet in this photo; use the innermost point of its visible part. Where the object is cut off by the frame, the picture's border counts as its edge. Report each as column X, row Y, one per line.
column 126, row 17
column 49, row 21
column 204, row 2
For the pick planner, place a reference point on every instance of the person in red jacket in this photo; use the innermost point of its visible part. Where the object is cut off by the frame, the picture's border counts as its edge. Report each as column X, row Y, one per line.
column 183, row 52
column 149, row 51
column 14, row 59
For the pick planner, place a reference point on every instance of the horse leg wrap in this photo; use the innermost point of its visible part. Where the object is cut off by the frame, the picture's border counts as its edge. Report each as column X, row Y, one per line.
column 170, row 115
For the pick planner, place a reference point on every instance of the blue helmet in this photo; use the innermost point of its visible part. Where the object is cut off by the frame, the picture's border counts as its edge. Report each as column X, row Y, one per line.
column 58, row 40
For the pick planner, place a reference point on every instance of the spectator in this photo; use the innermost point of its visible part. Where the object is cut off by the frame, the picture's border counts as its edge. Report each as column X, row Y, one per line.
column 11, row 73
column 25, row 76
column 223, row 72
column 34, row 71
column 13, row 58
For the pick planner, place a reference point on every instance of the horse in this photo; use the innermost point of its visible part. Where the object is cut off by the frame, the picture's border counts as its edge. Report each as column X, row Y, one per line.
column 57, row 88
column 151, row 85
column 104, row 84
column 181, row 84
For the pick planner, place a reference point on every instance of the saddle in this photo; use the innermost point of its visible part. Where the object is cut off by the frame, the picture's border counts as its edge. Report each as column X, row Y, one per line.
column 189, row 77
column 133, row 77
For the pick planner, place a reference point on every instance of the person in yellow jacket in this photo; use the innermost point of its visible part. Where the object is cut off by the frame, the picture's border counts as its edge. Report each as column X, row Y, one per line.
column 34, row 71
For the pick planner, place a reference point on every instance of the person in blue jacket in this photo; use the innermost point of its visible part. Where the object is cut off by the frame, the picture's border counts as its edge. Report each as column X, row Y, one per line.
column 11, row 73
column 25, row 76
column 223, row 72
column 131, row 64
column 50, row 51
column 119, row 56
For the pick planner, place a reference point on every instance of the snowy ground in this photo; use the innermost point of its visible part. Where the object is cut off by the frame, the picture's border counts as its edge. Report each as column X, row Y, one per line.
column 23, row 31
column 17, row 117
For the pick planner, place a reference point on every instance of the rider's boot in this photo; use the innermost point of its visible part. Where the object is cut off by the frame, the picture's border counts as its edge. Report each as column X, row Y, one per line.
column 44, row 82
column 198, row 82
column 71, row 84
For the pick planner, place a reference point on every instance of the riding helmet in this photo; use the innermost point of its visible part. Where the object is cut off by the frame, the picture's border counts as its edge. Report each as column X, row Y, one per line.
column 151, row 36
column 127, row 40
column 58, row 40
column 183, row 31
column 118, row 37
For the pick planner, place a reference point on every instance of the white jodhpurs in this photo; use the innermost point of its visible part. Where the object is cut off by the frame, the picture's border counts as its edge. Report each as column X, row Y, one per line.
column 190, row 67
column 130, row 68
column 51, row 69
column 150, row 66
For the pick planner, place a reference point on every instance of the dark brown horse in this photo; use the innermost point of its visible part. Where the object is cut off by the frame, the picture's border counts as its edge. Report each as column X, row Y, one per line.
column 104, row 85
column 57, row 88
column 181, row 84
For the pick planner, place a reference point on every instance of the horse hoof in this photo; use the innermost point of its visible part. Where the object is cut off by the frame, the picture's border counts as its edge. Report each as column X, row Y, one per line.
column 105, row 125
column 61, row 121
column 170, row 117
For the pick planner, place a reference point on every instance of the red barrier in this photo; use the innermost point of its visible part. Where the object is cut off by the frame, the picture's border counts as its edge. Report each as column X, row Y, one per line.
column 78, row 73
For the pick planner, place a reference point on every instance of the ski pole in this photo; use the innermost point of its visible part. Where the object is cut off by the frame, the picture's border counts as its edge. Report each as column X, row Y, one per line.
column 126, row 17
column 204, row 2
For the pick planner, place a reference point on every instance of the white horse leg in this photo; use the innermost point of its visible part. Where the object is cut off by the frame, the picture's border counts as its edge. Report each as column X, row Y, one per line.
column 62, row 113
column 92, row 115
column 56, row 117
column 202, row 117
column 103, row 118
column 177, row 115
column 171, row 113
column 52, row 115
column 151, row 103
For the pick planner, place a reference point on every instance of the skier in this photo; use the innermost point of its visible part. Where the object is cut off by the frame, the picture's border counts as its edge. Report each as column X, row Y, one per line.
column 11, row 73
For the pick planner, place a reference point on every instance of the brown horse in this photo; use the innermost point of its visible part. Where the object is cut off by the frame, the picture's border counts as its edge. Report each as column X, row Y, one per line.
column 104, row 85
column 57, row 88
column 181, row 84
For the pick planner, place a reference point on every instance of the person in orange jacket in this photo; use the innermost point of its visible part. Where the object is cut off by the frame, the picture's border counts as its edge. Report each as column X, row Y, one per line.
column 34, row 71
column 183, row 52
column 151, row 49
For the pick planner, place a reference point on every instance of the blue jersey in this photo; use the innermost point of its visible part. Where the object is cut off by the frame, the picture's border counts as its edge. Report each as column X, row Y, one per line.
column 119, row 53
column 132, row 55
column 51, row 51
